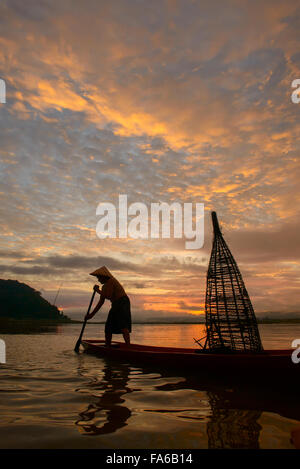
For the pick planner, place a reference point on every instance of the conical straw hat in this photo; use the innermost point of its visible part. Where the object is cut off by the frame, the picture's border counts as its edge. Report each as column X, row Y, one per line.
column 102, row 271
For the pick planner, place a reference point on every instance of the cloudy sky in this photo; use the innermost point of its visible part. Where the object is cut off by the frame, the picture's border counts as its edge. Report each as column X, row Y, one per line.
column 177, row 100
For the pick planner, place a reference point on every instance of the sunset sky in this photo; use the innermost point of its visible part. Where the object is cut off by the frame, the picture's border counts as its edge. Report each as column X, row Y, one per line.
column 186, row 101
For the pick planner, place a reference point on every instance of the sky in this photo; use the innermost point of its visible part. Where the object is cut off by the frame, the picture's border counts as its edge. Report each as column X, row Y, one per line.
column 164, row 101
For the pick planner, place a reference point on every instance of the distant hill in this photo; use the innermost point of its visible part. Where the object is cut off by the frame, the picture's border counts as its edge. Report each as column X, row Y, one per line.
column 20, row 301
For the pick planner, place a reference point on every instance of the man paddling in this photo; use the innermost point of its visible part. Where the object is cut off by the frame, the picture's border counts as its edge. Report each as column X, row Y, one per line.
column 119, row 316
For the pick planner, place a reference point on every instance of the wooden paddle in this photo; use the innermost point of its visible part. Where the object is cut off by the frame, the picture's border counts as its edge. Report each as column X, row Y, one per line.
column 76, row 349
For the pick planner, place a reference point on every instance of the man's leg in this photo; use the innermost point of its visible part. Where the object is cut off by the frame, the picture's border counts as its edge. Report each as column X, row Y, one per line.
column 126, row 336
column 108, row 336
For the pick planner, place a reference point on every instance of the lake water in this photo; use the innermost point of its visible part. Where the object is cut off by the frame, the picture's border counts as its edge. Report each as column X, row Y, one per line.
column 52, row 398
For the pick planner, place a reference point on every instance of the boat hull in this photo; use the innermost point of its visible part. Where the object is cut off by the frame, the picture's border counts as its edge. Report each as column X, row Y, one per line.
column 269, row 364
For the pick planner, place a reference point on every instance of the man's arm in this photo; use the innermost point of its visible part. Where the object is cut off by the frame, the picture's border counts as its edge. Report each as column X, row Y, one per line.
column 100, row 303
column 96, row 309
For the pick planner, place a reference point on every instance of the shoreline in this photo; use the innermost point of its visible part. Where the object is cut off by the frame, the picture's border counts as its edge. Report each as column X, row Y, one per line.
column 12, row 324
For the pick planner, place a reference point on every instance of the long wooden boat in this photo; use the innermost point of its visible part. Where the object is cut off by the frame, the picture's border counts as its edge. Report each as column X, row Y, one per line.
column 269, row 363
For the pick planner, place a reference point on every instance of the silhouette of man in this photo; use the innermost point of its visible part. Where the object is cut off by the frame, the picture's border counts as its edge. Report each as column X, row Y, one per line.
column 119, row 316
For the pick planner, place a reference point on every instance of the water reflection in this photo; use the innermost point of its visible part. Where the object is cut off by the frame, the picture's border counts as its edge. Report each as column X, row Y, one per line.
column 229, row 416
column 227, row 426
column 232, row 428
column 107, row 415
